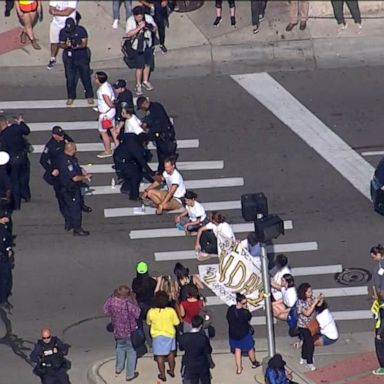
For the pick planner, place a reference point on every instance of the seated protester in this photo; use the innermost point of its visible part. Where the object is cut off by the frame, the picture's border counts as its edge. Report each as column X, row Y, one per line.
column 213, row 236
column 277, row 372
column 190, row 307
column 252, row 245
column 278, row 271
column 282, row 307
column 194, row 215
column 132, row 123
column 328, row 329
column 171, row 198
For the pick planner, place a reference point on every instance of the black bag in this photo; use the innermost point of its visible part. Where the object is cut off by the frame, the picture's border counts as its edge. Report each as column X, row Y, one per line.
column 138, row 342
column 129, row 54
column 110, row 327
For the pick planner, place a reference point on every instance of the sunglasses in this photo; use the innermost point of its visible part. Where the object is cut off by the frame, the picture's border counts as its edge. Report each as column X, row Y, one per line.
column 46, row 338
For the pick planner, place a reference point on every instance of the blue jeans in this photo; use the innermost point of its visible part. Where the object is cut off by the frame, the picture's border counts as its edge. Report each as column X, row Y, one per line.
column 116, row 8
column 124, row 350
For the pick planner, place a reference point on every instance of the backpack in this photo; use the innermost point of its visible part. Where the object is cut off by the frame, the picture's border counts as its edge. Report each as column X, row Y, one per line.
column 292, row 317
column 128, row 52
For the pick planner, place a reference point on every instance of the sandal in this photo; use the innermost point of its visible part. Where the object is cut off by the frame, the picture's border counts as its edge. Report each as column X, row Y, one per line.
column 23, row 38
column 172, row 374
column 162, row 378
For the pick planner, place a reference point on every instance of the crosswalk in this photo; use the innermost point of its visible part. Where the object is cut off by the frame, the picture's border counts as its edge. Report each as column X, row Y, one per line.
column 196, row 182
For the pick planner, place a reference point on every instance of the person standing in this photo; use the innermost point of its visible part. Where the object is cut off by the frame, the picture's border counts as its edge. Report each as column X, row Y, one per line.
column 296, row 8
column 378, row 312
column 190, row 307
column 195, row 364
column 239, row 330
column 160, row 129
column 116, row 4
column 28, row 11
column 12, row 141
column 124, row 312
column 107, row 111
column 48, row 355
column 232, row 12
column 140, row 28
column 338, row 10
column 74, row 41
column 377, row 255
column 258, row 13
column 60, row 10
column 124, row 98
column 9, row 4
column 71, row 177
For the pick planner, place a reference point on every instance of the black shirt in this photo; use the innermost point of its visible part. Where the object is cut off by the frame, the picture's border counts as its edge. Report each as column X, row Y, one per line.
column 75, row 37
column 238, row 322
column 157, row 120
column 123, row 97
column 52, row 151
column 68, row 167
column 12, row 138
column 144, row 288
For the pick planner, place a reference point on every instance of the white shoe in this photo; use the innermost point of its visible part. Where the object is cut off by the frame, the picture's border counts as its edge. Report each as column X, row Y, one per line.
column 138, row 90
column 115, row 24
column 311, row 367
column 302, row 361
column 148, row 86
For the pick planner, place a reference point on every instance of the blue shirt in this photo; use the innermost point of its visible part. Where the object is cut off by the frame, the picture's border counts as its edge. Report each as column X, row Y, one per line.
column 274, row 376
column 76, row 36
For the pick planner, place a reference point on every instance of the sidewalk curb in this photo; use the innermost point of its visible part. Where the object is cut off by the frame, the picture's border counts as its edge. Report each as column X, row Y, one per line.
column 93, row 375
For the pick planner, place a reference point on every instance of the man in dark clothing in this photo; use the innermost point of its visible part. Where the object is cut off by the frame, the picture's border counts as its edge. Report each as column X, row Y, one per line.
column 195, row 362
column 74, row 40
column 9, row 4
column 71, row 177
column 12, row 141
column 130, row 164
column 124, row 97
column 160, row 129
column 257, row 12
column 48, row 354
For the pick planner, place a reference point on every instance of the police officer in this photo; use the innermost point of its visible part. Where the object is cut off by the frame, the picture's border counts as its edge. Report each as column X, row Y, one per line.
column 74, row 40
column 131, row 165
column 71, row 178
column 48, row 354
column 12, row 141
column 160, row 129
column 5, row 189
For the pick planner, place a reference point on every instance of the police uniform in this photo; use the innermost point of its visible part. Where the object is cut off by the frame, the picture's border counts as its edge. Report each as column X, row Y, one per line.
column 131, row 165
column 161, row 131
column 6, row 263
column 70, row 192
column 51, row 364
column 6, row 196
column 12, row 141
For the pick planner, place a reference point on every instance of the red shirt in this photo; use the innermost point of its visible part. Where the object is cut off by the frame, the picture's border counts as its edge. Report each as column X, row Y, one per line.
column 191, row 308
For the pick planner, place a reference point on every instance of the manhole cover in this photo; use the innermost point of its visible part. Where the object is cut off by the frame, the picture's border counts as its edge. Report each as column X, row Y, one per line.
column 353, row 276
column 189, row 6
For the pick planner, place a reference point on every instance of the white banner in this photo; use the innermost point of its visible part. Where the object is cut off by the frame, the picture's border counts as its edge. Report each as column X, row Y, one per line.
column 237, row 271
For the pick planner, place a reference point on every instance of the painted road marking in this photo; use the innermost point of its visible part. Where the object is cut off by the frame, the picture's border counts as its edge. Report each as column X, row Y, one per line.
column 372, row 153
column 309, row 128
column 174, row 232
column 276, row 248
column 317, row 270
column 209, row 206
column 190, row 184
column 95, row 147
column 181, row 165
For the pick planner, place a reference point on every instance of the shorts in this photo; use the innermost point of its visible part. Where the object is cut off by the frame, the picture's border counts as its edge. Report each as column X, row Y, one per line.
column 163, row 346
column 54, row 32
column 28, row 8
column 111, row 115
column 143, row 59
column 327, row 340
column 246, row 344
column 174, row 203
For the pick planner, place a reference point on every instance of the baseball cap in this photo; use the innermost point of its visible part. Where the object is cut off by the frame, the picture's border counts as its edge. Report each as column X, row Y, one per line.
column 142, row 267
column 4, row 158
column 56, row 130
column 120, row 84
column 69, row 24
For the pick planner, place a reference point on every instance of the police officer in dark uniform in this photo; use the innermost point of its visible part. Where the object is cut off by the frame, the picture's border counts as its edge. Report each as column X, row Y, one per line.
column 160, row 130
column 48, row 354
column 131, row 165
column 5, row 190
column 71, row 178
column 12, row 140
column 74, row 40
column 123, row 95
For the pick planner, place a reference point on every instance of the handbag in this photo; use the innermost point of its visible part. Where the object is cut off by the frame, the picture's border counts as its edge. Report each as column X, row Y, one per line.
column 110, row 328
column 106, row 123
column 313, row 327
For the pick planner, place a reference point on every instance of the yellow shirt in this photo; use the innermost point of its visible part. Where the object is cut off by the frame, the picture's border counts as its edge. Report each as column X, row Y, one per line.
column 162, row 321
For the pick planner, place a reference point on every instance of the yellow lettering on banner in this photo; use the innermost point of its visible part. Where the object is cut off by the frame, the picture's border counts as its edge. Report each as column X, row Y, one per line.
column 224, row 268
column 257, row 300
column 252, row 284
column 240, row 266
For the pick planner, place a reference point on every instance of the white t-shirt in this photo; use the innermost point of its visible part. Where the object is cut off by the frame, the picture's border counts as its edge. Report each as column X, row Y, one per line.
column 289, row 296
column 195, row 212
column 60, row 6
column 277, row 295
column 133, row 125
column 175, row 179
column 104, row 89
column 131, row 24
column 327, row 325
column 224, row 234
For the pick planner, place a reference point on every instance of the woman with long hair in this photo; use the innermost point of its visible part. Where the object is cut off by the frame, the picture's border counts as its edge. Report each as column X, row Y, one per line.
column 282, row 306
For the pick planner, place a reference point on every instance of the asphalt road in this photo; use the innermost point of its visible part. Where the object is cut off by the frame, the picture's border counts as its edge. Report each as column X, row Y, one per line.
column 63, row 281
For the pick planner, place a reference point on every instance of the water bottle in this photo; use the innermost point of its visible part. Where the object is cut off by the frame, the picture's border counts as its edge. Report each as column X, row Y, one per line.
column 142, row 208
column 152, row 11
column 113, row 183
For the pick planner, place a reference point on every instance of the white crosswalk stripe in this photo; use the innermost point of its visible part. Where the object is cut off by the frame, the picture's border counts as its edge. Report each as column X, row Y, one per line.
column 372, row 153
column 174, row 232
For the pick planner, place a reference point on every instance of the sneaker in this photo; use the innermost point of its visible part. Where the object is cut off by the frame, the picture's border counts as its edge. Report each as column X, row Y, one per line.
column 163, row 48
column 104, row 155
column 202, row 256
column 311, row 367
column 217, row 21
column 115, row 24
column 138, row 90
column 90, row 101
column 148, row 86
column 302, row 361
column 256, row 29
column 69, row 102
column 378, row 371
column 180, row 227
column 359, row 27
column 343, row 27
column 233, row 21
column 51, row 63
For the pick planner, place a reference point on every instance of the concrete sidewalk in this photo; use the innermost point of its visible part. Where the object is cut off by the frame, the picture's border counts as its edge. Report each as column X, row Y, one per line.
column 350, row 360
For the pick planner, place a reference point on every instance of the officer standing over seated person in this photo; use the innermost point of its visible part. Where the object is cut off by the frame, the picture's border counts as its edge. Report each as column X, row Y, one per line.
column 48, row 354
column 74, row 40
column 71, row 177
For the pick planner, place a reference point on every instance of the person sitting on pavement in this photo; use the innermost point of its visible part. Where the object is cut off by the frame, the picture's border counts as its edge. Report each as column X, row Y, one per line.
column 170, row 199
column 214, row 236
column 253, row 246
column 328, row 329
column 282, row 306
column 278, row 271
column 194, row 215
column 277, row 372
